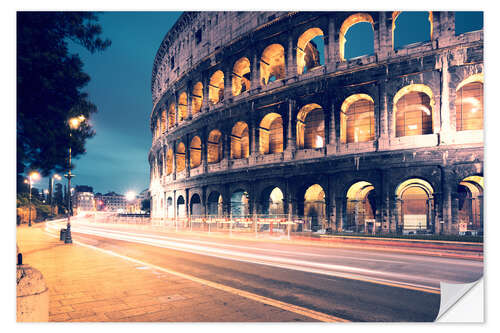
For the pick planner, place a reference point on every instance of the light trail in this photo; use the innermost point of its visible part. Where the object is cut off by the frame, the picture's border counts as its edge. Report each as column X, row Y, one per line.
column 361, row 274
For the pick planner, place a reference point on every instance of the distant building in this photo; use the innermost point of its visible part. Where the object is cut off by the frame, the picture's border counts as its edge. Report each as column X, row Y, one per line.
column 111, row 202
column 83, row 199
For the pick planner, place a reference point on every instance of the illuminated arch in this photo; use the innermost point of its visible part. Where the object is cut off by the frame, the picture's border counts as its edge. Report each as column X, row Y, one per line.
column 170, row 161
column 163, row 121
column 308, row 52
column 240, row 147
column 216, row 87
column 197, row 98
column 413, row 109
column 271, row 134
column 415, row 196
column 315, row 206
column 180, row 157
column 361, row 207
column 310, row 127
column 182, row 107
column 241, row 76
column 214, row 146
column 195, row 152
column 395, row 15
column 469, row 103
column 181, row 206
column 195, row 205
column 272, row 64
column 239, row 203
column 357, row 119
column 348, row 23
column 171, row 115
column 215, row 204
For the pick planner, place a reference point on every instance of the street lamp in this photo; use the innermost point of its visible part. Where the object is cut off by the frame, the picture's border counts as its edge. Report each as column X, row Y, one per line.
column 74, row 123
column 31, row 177
column 56, row 176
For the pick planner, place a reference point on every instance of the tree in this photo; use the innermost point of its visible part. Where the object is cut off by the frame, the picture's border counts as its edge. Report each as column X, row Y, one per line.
column 49, row 83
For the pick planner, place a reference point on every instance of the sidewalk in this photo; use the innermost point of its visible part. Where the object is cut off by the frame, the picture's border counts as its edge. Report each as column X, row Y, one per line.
column 90, row 286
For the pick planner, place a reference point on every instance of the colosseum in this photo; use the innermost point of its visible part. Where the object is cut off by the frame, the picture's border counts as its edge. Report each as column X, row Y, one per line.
column 263, row 117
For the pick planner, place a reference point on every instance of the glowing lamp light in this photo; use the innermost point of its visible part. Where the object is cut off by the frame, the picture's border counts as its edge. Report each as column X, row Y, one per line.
column 412, row 127
column 130, row 195
column 34, row 176
column 319, row 141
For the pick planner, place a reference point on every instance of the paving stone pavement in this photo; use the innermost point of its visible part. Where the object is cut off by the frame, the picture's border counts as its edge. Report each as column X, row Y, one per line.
column 86, row 285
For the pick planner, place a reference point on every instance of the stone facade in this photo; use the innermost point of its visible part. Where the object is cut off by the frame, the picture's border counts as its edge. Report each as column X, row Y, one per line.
column 242, row 105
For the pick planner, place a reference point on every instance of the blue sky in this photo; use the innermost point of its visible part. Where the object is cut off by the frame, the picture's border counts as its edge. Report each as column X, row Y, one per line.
column 120, row 86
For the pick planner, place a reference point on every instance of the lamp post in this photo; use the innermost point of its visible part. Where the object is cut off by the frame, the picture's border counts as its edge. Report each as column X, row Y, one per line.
column 56, row 176
column 31, row 177
column 74, row 123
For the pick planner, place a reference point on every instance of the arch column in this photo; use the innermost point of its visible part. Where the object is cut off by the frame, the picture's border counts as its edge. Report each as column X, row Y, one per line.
column 445, row 134
column 204, row 103
column 174, row 167
column 385, row 47
column 228, row 75
column 331, row 143
column 339, row 213
column 204, row 151
column 189, row 102
column 291, row 58
column 446, row 182
column 291, row 146
column 255, row 82
column 330, row 46
column 383, row 115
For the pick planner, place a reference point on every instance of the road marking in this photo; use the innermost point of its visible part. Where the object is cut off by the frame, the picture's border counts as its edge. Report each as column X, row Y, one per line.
column 265, row 300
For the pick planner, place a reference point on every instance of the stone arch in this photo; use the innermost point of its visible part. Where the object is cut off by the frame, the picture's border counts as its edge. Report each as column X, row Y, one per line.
column 469, row 103
column 272, row 64
column 171, row 115
column 170, row 207
column 470, row 204
column 271, row 134
column 413, row 110
column 310, row 46
column 170, row 161
column 346, row 25
column 310, row 127
column 240, row 203
column 240, row 144
column 215, row 204
column 216, row 87
column 181, row 206
column 197, row 98
column 163, row 126
column 195, row 152
column 361, row 207
column 357, row 119
column 241, row 76
column 415, row 199
column 180, row 157
column 214, row 146
column 272, row 201
column 195, row 207
column 397, row 14
column 315, row 206
column 182, row 106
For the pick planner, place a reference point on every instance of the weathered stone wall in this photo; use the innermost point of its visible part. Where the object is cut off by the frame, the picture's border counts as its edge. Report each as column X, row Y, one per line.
column 443, row 158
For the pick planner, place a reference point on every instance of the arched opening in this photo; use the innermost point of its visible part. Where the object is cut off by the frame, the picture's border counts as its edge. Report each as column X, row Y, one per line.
column 181, row 157
column 241, row 76
column 272, row 202
column 197, row 98
column 469, row 104
column 183, row 114
column 310, row 127
column 170, row 207
column 239, row 203
column 215, row 204
column 361, row 207
column 470, row 205
column 271, row 134
column 195, row 205
column 411, row 27
column 357, row 119
column 163, row 121
column 240, row 141
column 170, row 161
column 356, row 36
column 171, row 115
column 181, row 207
column 315, row 206
column 310, row 50
column 415, row 200
column 216, row 88
column 413, row 107
column 195, row 152
column 468, row 22
column 272, row 64
column 214, row 147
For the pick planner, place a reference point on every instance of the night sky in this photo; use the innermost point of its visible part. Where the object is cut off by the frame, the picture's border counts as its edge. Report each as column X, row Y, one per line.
column 120, row 87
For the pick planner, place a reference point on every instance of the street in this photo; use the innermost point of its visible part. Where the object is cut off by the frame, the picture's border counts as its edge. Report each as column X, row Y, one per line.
column 353, row 284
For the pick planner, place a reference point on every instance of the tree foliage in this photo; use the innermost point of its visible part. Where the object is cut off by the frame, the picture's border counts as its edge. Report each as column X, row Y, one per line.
column 49, row 83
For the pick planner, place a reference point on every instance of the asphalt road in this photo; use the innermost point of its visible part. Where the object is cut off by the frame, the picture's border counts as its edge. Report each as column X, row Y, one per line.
column 355, row 284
